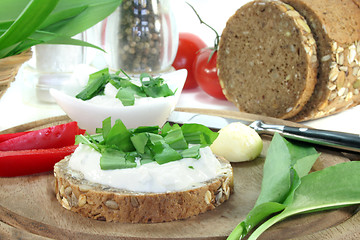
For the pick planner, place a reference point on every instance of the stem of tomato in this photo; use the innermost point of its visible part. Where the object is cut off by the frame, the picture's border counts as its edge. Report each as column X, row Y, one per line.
column 217, row 38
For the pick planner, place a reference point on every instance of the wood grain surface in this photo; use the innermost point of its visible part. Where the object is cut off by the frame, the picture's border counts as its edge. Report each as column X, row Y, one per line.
column 29, row 209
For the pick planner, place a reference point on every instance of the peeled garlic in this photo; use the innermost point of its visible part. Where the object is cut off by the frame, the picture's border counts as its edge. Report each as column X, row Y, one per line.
column 237, row 142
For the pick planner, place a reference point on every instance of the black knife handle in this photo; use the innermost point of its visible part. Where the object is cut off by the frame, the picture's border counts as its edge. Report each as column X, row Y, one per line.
column 340, row 140
column 330, row 137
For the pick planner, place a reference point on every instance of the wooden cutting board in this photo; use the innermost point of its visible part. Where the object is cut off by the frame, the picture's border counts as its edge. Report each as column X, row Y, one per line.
column 29, row 209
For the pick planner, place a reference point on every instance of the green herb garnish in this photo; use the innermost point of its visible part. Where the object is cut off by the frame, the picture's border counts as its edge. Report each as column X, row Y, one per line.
column 26, row 23
column 127, row 90
column 120, row 147
column 288, row 188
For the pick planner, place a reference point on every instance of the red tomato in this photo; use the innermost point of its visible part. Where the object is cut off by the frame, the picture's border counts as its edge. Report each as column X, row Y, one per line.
column 206, row 73
column 189, row 45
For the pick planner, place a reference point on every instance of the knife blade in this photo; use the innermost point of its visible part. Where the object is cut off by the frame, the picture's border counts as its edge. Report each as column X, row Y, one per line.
column 333, row 139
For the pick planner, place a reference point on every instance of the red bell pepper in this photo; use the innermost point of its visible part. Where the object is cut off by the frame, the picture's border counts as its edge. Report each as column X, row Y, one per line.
column 4, row 137
column 51, row 137
column 25, row 162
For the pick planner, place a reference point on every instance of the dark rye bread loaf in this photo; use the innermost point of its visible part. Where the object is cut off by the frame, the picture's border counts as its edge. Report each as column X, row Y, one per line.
column 335, row 25
column 105, row 203
column 267, row 60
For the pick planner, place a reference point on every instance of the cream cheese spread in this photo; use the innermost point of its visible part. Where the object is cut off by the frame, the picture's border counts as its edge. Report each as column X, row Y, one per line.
column 151, row 177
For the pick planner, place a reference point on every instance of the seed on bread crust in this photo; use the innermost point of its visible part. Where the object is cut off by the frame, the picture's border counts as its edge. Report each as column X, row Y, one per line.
column 111, row 204
column 208, row 197
column 337, row 42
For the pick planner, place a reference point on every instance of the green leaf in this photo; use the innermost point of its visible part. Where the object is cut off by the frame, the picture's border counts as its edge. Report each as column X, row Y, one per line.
column 94, row 12
column 106, row 127
column 167, row 128
column 40, row 37
column 65, row 40
column 192, row 152
column 139, row 141
column 167, row 154
column 276, row 180
column 62, row 16
column 155, row 87
column 284, row 166
column 145, row 143
column 119, row 137
column 85, row 140
column 27, row 22
column 198, row 134
column 12, row 10
column 114, row 159
column 254, row 217
column 126, row 96
column 148, row 129
column 332, row 187
column 127, row 91
column 175, row 139
column 63, row 19
column 95, row 85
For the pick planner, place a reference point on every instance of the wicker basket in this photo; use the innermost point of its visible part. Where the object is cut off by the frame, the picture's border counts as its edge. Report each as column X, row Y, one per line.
column 9, row 68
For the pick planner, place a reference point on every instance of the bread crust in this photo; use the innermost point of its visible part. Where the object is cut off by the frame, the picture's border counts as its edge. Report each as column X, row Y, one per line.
column 335, row 26
column 336, row 29
column 109, row 204
column 267, row 60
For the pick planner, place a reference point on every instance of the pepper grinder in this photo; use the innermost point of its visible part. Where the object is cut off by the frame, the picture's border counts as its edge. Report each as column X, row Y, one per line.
column 141, row 36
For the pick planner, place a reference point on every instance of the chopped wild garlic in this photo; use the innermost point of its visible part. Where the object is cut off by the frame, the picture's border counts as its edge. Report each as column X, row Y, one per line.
column 127, row 90
column 120, row 147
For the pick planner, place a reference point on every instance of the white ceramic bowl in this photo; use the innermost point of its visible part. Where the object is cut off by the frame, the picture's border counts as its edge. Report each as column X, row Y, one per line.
column 90, row 115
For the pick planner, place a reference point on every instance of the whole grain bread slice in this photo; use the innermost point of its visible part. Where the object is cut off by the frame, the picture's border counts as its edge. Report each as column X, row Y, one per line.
column 105, row 203
column 267, row 61
column 336, row 29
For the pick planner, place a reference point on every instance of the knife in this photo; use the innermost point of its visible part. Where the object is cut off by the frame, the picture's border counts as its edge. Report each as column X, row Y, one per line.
column 333, row 139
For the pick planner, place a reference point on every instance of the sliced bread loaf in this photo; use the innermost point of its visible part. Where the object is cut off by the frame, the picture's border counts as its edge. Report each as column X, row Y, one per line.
column 267, row 61
column 105, row 203
column 246, row 67
column 336, row 29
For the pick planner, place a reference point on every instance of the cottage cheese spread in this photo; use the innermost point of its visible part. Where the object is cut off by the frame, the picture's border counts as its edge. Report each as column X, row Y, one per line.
column 150, row 177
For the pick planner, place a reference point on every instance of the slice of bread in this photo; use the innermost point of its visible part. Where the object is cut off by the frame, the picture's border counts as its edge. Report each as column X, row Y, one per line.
column 267, row 60
column 105, row 203
column 246, row 58
column 336, row 29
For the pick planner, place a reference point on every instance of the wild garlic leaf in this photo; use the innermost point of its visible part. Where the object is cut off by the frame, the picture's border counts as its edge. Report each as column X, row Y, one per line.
column 191, row 152
column 115, row 159
column 61, row 18
column 26, row 23
column 276, row 180
column 140, row 141
column 255, row 216
column 12, row 10
column 94, row 12
column 39, row 37
column 128, row 91
column 95, row 86
column 126, row 96
column 198, row 134
column 146, row 143
column 284, row 164
column 330, row 188
column 119, row 137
